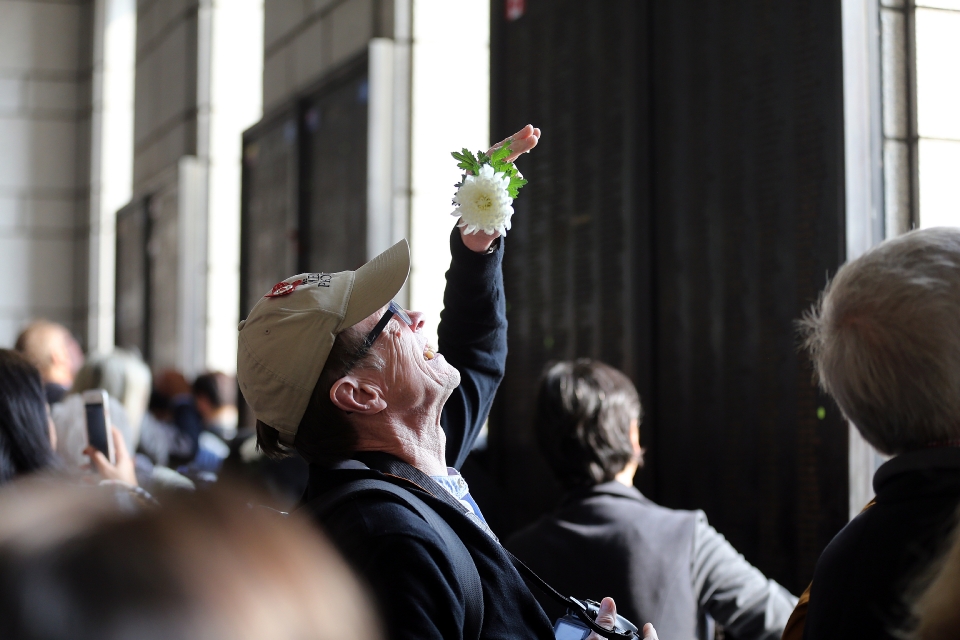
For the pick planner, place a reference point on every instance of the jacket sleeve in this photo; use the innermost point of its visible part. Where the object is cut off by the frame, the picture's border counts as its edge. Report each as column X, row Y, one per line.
column 473, row 338
column 733, row 591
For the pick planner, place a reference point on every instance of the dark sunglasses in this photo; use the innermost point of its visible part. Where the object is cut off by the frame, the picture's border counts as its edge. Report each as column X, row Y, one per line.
column 393, row 309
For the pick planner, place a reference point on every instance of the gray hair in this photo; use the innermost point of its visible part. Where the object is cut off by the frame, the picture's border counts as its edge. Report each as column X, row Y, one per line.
column 124, row 376
column 885, row 340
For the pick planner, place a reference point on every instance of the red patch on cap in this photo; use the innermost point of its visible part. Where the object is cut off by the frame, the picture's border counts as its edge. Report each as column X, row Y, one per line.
column 283, row 288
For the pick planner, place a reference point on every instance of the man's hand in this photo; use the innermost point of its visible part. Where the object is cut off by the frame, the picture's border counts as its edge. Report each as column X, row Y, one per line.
column 607, row 617
column 521, row 142
column 124, row 470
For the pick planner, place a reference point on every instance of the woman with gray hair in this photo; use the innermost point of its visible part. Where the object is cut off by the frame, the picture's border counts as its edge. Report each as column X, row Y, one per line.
column 126, row 379
column 885, row 342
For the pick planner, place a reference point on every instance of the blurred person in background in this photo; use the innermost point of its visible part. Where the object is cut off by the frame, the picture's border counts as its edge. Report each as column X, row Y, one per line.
column 52, row 349
column 204, row 566
column 27, row 434
column 663, row 565
column 174, row 424
column 127, row 380
column 885, row 342
column 215, row 396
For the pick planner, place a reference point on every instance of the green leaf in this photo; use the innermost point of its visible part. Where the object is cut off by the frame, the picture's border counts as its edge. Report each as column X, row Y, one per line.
column 500, row 155
column 471, row 164
column 466, row 160
column 514, row 187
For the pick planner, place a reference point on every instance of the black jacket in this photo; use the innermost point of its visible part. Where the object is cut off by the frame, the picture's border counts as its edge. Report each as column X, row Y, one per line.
column 402, row 559
column 862, row 583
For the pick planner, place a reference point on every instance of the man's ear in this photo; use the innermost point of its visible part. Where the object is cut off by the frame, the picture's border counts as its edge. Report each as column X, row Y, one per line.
column 357, row 396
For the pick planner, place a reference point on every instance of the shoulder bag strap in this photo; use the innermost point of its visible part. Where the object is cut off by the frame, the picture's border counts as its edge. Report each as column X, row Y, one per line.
column 463, row 564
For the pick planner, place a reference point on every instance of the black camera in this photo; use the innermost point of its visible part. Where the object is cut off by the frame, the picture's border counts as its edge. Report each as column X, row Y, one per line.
column 573, row 627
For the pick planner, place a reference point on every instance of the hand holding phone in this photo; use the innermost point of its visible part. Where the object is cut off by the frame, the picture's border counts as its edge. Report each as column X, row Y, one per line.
column 124, row 470
column 96, row 405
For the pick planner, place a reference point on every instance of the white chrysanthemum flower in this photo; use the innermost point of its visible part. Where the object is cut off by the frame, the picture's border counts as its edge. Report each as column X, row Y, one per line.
column 483, row 202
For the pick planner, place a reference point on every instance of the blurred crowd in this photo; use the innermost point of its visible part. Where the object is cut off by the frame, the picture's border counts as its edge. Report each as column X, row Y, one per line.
column 177, row 433
column 180, row 535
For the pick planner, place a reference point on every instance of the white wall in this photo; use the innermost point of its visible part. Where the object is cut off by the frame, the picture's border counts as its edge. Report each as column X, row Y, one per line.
column 236, row 73
column 111, row 156
column 450, row 110
column 938, row 111
column 44, row 81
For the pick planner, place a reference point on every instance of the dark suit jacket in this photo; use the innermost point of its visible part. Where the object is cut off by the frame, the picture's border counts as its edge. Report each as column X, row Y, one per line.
column 863, row 578
column 610, row 540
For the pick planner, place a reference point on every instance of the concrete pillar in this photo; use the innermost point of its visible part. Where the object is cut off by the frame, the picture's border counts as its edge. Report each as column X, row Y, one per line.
column 44, row 133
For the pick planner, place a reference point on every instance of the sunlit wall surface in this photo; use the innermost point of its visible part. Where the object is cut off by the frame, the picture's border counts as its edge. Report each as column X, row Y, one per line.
column 938, row 111
column 450, row 110
column 44, row 181
column 111, row 162
column 236, row 76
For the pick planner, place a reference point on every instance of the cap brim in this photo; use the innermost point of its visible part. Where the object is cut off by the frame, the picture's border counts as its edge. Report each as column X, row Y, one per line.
column 377, row 282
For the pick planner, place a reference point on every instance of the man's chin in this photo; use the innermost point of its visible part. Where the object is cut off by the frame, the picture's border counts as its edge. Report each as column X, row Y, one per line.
column 449, row 376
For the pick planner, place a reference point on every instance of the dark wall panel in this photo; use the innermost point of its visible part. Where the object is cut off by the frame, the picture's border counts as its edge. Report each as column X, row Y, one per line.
column 269, row 206
column 572, row 268
column 334, row 166
column 748, row 203
column 685, row 206
column 303, row 205
column 132, row 329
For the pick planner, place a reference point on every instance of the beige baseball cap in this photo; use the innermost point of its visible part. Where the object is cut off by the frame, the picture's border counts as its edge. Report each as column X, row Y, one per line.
column 286, row 339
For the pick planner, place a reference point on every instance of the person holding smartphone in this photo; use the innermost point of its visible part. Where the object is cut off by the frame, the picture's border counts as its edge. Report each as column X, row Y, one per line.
column 28, row 441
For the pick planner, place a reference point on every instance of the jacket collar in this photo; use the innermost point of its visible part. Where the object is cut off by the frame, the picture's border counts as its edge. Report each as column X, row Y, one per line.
column 612, row 488
column 923, row 461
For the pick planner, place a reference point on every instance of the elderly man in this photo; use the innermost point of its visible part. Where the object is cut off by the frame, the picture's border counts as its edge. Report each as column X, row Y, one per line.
column 336, row 371
column 53, row 350
column 663, row 565
column 885, row 340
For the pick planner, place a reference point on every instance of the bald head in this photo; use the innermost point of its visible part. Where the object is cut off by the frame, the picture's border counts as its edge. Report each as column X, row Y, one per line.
column 51, row 348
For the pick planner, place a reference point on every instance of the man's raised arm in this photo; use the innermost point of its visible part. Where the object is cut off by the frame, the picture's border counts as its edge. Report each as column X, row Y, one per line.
column 473, row 324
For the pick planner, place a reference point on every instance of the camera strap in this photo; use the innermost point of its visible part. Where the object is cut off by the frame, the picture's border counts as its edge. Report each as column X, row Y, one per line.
column 572, row 604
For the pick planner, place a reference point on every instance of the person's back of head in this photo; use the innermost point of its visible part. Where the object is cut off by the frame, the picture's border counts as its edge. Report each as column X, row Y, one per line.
column 205, row 565
column 218, row 388
column 51, row 348
column 584, row 415
column 25, row 444
column 885, row 340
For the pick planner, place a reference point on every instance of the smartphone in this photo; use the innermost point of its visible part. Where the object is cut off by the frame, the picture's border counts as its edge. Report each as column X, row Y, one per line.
column 96, row 404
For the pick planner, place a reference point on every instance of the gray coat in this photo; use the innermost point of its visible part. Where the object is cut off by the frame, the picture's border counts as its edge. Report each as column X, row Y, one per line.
column 660, row 565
